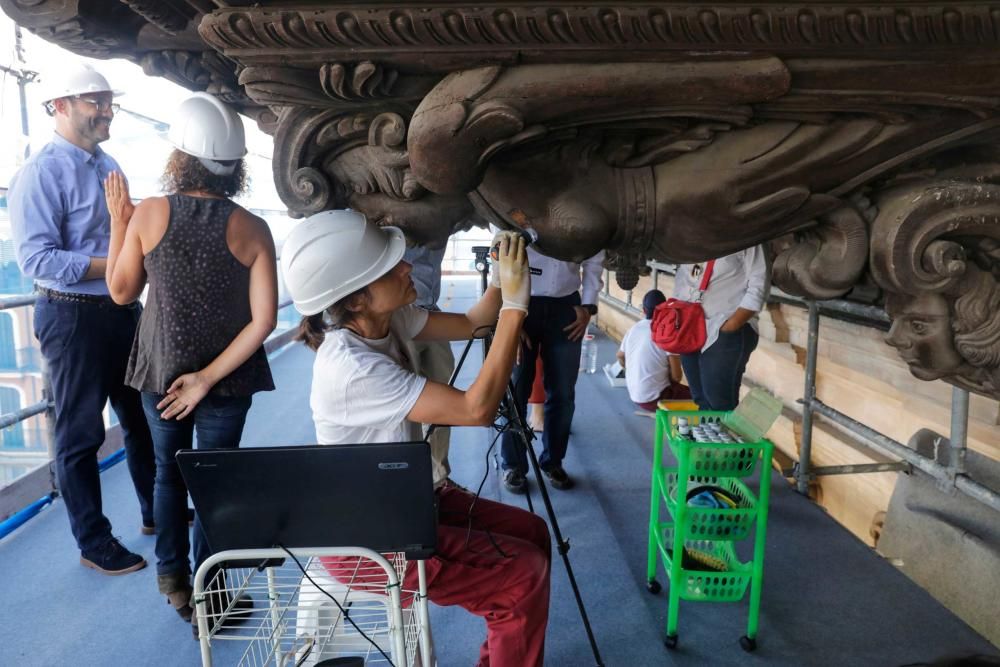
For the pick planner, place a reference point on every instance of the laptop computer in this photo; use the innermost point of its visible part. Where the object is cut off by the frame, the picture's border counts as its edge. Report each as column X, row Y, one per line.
column 379, row 496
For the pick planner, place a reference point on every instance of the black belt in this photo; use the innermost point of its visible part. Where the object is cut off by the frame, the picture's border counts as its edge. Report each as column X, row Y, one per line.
column 72, row 297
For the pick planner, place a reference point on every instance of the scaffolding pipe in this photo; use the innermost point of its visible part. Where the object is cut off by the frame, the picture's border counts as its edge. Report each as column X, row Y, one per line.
column 857, row 468
column 889, row 446
column 959, row 432
column 812, row 349
column 12, row 418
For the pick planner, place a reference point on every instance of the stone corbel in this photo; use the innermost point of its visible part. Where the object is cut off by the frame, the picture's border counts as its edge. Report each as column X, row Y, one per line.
column 473, row 115
column 935, row 253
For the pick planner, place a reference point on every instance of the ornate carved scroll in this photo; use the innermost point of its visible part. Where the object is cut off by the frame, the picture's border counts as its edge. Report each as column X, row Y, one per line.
column 824, row 261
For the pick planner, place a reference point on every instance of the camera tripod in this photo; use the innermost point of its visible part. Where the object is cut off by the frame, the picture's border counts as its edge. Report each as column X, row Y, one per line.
column 524, row 435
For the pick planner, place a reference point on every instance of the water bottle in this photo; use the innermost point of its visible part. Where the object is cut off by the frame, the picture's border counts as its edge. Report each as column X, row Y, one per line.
column 588, row 355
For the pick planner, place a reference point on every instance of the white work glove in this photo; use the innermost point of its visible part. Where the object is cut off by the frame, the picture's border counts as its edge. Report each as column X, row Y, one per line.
column 495, row 270
column 515, row 279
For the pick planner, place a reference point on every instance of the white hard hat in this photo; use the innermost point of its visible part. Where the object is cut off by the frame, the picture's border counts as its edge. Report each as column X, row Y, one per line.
column 76, row 80
column 206, row 128
column 335, row 253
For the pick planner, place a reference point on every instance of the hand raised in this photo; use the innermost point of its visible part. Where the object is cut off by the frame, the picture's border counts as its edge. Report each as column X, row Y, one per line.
column 116, row 195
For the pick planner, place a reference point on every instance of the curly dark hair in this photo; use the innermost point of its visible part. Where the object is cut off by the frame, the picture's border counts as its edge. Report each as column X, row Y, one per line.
column 185, row 172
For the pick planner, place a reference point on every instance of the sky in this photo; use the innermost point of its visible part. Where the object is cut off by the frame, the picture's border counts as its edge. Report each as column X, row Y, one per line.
column 135, row 144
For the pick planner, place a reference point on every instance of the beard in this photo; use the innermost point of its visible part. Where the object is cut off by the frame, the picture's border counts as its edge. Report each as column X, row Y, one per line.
column 100, row 129
column 96, row 129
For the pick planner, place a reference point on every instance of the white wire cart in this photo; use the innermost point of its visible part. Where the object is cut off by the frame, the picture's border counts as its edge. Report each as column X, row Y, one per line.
column 299, row 620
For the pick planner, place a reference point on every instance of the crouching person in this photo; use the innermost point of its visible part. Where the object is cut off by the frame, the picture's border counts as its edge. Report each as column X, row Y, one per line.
column 651, row 374
column 348, row 278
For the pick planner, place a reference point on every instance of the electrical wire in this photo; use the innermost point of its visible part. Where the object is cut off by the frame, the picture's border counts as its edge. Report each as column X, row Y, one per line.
column 475, row 499
column 343, row 611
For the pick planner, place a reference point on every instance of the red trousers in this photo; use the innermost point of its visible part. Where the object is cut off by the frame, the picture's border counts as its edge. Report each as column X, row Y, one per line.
column 672, row 392
column 509, row 589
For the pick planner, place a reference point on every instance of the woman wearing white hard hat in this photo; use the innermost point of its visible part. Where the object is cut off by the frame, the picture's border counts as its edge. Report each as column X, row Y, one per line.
column 198, row 354
column 347, row 277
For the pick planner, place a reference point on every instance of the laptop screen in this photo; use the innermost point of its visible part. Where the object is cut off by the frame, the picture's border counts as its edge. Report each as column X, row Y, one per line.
column 378, row 496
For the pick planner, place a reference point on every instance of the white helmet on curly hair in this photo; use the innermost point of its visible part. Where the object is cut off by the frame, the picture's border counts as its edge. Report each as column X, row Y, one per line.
column 209, row 130
column 332, row 254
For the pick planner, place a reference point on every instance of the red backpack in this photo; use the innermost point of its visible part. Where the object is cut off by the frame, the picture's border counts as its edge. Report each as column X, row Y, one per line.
column 679, row 326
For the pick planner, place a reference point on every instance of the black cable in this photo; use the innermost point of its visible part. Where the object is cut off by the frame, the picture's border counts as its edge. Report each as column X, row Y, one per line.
column 475, row 499
column 343, row 611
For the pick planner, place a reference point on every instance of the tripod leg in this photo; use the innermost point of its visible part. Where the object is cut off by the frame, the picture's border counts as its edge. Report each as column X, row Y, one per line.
column 520, row 427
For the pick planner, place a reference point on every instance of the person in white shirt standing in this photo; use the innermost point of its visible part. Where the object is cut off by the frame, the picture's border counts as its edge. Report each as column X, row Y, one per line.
column 651, row 374
column 736, row 293
column 563, row 299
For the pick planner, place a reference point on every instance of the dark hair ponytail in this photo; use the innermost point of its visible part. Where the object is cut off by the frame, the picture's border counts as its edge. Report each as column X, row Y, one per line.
column 313, row 328
column 312, row 331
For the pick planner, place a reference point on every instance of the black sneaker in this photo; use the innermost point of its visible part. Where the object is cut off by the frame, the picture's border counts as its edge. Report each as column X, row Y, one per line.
column 558, row 478
column 515, row 481
column 149, row 528
column 112, row 559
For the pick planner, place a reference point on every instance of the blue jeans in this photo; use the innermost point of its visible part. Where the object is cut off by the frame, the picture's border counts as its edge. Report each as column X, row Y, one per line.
column 547, row 316
column 86, row 348
column 219, row 424
column 716, row 374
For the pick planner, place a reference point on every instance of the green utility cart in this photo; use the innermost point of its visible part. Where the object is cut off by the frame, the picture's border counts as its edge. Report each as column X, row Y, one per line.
column 709, row 506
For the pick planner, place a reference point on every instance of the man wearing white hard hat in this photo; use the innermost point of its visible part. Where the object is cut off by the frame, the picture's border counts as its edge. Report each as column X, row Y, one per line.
column 60, row 224
column 198, row 356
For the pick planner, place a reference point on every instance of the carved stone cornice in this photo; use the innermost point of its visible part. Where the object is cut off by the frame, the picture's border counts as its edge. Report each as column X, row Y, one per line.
column 497, row 32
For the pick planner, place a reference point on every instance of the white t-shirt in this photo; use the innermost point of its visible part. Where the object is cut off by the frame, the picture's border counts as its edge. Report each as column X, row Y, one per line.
column 740, row 280
column 363, row 388
column 647, row 367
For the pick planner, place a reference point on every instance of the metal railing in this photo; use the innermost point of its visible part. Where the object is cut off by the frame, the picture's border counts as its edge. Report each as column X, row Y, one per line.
column 950, row 477
column 26, row 496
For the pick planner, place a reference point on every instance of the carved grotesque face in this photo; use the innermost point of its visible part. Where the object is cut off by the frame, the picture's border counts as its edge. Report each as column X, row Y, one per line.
column 921, row 332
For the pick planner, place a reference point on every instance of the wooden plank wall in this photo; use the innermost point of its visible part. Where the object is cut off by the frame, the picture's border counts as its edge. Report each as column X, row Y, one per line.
column 858, row 374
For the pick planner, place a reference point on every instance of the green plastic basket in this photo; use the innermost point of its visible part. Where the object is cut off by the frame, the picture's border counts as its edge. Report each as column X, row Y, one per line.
column 705, row 523
column 751, row 420
column 706, row 585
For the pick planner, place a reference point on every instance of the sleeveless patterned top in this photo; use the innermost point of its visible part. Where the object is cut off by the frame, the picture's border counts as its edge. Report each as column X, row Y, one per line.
column 198, row 302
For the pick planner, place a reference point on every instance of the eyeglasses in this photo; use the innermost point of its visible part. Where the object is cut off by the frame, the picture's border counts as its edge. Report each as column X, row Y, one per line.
column 99, row 105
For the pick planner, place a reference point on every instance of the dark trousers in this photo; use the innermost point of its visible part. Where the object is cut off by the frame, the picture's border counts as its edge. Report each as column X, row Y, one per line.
column 218, row 422
column 86, row 347
column 716, row 374
column 547, row 316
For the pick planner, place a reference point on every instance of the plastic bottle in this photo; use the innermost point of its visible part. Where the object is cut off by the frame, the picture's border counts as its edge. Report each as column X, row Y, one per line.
column 588, row 354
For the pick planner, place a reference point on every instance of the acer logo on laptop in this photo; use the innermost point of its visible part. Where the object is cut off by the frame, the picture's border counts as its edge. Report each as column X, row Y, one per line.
column 393, row 466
